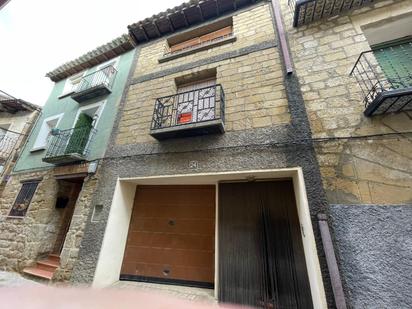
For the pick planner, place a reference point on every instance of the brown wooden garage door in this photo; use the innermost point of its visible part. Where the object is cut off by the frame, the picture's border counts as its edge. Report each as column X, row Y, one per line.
column 171, row 235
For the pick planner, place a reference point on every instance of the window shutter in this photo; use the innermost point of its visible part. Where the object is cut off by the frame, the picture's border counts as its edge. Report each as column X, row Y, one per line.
column 202, row 39
column 396, row 63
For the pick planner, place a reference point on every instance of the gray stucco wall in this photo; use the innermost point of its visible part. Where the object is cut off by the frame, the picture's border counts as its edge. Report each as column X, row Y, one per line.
column 374, row 245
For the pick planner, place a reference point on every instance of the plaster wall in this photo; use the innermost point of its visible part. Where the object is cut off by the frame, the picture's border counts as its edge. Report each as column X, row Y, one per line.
column 56, row 105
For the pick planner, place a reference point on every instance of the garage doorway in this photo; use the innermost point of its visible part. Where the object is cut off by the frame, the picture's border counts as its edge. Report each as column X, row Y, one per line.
column 111, row 256
column 171, row 236
column 261, row 255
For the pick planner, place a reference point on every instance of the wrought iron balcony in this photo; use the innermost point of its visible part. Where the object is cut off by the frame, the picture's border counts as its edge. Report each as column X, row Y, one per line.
column 197, row 112
column 96, row 84
column 67, row 146
column 8, row 142
column 386, row 84
column 307, row 11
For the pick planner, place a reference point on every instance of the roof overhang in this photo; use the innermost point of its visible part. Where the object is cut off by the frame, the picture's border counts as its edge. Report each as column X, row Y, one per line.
column 16, row 105
column 183, row 16
column 97, row 56
column 3, row 3
column 10, row 104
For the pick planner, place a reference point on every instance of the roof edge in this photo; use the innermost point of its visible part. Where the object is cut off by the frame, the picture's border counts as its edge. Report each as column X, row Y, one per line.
column 101, row 54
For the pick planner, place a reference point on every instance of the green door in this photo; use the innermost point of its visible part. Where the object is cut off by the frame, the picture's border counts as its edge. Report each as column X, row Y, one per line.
column 80, row 135
column 395, row 59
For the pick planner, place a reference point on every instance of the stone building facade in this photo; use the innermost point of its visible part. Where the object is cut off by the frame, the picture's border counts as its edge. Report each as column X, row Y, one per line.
column 355, row 168
column 211, row 107
column 367, row 177
column 264, row 116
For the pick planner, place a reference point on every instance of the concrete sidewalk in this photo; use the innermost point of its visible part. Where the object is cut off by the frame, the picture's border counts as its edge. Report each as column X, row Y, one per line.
column 181, row 292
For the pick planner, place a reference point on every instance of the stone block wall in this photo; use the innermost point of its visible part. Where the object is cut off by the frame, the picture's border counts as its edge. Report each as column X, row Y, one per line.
column 254, row 95
column 363, row 171
column 251, row 26
column 249, row 70
column 25, row 240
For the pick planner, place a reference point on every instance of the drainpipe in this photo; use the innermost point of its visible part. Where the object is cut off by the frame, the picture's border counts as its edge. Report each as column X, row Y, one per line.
column 332, row 263
column 336, row 282
column 282, row 37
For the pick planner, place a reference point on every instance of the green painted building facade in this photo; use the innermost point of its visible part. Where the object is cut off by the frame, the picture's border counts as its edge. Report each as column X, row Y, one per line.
column 62, row 110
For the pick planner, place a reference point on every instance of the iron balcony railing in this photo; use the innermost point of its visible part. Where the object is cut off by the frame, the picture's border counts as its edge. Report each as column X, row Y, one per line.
column 307, row 11
column 385, row 78
column 191, row 107
column 103, row 77
column 8, row 142
column 69, row 145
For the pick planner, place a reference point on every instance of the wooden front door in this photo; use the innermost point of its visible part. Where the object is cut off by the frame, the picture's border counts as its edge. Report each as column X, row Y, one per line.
column 261, row 257
column 72, row 188
column 171, row 236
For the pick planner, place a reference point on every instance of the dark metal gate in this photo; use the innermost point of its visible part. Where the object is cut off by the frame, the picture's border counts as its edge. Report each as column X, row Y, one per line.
column 261, row 257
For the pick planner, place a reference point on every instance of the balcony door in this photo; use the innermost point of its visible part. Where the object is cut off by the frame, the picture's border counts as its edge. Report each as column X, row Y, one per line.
column 196, row 101
column 80, row 135
column 84, row 125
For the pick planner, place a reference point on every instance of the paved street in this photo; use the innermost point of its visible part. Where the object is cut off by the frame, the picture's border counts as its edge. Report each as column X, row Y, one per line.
column 8, row 279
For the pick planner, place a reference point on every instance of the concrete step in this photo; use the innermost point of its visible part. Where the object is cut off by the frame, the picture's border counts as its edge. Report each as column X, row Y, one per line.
column 47, row 265
column 54, row 257
column 37, row 272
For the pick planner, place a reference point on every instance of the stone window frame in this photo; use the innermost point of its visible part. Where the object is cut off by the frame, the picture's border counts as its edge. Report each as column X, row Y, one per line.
column 25, row 196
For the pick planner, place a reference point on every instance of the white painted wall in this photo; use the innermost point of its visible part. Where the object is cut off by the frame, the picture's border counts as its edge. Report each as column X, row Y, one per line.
column 309, row 245
column 114, row 241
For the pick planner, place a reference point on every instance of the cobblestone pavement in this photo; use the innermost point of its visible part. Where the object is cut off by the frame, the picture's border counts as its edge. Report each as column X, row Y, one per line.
column 181, row 292
column 8, row 279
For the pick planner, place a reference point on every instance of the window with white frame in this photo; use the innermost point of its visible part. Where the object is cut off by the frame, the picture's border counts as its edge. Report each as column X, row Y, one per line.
column 73, row 82
column 44, row 133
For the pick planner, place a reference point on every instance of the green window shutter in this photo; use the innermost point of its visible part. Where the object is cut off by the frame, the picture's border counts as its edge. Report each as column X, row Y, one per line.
column 395, row 59
column 80, row 135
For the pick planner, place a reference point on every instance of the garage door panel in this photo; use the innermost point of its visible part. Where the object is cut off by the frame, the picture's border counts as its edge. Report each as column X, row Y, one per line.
column 176, row 194
column 204, row 274
column 164, row 210
column 170, row 256
column 172, row 228
column 200, row 227
column 171, row 240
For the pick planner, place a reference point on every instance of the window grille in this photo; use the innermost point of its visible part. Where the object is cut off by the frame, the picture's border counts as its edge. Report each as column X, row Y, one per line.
column 22, row 202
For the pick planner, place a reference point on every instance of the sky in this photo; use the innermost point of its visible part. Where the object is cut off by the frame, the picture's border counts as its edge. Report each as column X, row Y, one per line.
column 36, row 36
